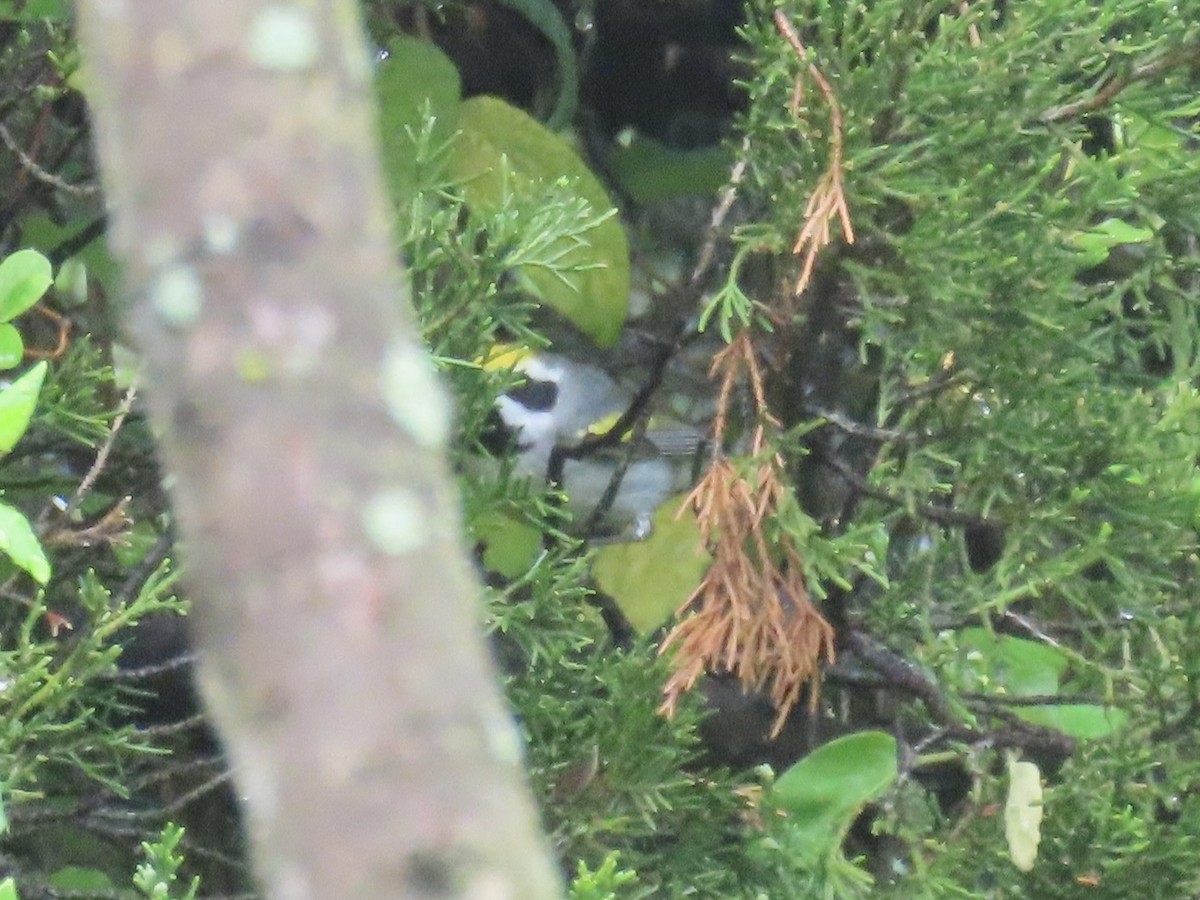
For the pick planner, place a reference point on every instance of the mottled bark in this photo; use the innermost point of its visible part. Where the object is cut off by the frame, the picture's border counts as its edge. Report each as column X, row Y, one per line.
column 304, row 432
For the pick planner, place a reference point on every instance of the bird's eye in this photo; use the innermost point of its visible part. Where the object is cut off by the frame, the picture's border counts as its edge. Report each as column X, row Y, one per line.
column 536, row 396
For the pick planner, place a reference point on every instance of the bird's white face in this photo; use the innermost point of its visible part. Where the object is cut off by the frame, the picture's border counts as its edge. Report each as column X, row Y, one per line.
column 536, row 434
column 555, row 406
column 558, row 403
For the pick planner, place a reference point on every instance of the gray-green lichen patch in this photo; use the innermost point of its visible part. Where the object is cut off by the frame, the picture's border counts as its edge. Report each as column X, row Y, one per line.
column 284, row 38
column 413, row 397
column 292, row 339
column 502, row 740
column 396, row 522
column 221, row 233
column 177, row 295
column 253, row 367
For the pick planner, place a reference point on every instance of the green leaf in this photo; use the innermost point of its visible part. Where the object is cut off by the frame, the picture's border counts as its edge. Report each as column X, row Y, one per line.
column 8, row 889
column 414, row 80
column 548, row 19
column 12, row 348
column 36, row 10
column 825, row 791
column 18, row 540
column 502, row 153
column 81, row 878
column 1095, row 244
column 1023, row 812
column 509, row 547
column 633, row 574
column 71, row 282
column 24, row 278
column 1085, row 721
column 649, row 171
column 1023, row 668
column 44, row 234
column 17, row 403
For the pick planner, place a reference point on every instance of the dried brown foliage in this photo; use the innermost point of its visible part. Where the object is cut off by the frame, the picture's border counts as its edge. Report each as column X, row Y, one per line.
column 751, row 615
column 828, row 199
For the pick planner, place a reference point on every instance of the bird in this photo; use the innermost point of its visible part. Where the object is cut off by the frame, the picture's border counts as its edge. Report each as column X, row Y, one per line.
column 559, row 420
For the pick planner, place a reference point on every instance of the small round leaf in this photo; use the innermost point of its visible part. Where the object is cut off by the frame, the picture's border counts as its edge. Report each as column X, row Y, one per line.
column 825, row 791
column 24, row 278
column 634, row 575
column 17, row 403
column 18, row 540
column 12, row 348
column 502, row 153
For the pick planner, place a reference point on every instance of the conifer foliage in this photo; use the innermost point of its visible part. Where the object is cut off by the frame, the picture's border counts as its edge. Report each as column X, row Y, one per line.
column 940, row 262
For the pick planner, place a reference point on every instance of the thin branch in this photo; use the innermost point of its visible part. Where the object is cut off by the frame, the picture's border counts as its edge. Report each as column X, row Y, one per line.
column 1180, row 56
column 903, row 675
column 708, row 249
column 844, row 423
column 40, row 174
column 101, row 460
column 939, row 514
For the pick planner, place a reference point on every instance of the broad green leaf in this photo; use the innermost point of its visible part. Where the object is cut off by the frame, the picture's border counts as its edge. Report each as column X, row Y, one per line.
column 825, row 791
column 36, row 10
column 1084, row 721
column 17, row 403
column 81, row 878
column 634, row 574
column 24, row 278
column 1023, row 812
column 8, row 889
column 21, row 544
column 548, row 18
column 1095, row 244
column 44, row 234
column 12, row 348
column 1023, row 668
column 649, row 171
column 415, row 79
column 501, row 151
column 509, row 547
column 71, row 282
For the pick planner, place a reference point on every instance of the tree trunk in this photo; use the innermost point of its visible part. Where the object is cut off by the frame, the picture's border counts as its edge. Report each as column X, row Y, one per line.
column 304, row 430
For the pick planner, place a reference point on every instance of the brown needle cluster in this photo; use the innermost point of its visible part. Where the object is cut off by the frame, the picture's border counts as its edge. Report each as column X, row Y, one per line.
column 751, row 615
column 828, row 199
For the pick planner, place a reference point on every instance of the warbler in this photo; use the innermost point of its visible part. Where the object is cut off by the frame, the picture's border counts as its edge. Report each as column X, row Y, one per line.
column 555, row 418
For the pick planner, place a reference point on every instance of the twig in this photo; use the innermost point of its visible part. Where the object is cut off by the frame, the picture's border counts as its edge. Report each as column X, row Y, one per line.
column 101, row 460
column 145, row 567
column 1032, row 630
column 1032, row 700
column 1187, row 54
column 30, row 166
column 182, row 661
column 928, row 511
column 844, row 423
column 201, row 790
column 618, row 476
column 708, row 250
column 903, row 675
